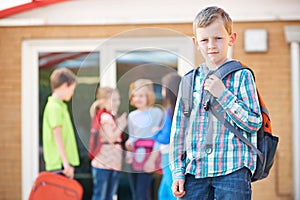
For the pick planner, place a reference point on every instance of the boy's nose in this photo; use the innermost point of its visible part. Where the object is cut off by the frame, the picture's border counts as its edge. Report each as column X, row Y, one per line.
column 211, row 44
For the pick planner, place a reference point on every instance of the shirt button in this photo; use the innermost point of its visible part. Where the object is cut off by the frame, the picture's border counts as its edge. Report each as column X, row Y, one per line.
column 236, row 112
column 196, row 95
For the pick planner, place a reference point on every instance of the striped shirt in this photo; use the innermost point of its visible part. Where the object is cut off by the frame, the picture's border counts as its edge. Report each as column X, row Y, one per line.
column 240, row 106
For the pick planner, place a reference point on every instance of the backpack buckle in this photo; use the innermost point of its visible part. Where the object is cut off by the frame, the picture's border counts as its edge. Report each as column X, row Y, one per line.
column 208, row 149
column 206, row 105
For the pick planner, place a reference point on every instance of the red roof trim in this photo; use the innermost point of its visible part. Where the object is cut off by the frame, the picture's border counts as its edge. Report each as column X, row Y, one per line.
column 27, row 6
column 50, row 62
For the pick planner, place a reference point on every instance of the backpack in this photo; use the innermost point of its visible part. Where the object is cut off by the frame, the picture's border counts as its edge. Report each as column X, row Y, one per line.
column 266, row 142
column 141, row 153
column 95, row 140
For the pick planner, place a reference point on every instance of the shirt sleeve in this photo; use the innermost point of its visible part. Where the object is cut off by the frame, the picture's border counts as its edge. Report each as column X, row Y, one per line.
column 177, row 141
column 55, row 114
column 163, row 135
column 242, row 104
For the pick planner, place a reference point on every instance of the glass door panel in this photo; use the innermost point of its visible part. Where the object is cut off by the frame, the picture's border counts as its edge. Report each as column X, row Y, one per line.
column 133, row 65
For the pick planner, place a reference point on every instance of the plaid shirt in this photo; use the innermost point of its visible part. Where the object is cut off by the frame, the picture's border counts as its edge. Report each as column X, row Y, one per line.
column 240, row 106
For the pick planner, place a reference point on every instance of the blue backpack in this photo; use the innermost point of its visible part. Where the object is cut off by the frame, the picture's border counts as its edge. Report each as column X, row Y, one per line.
column 266, row 142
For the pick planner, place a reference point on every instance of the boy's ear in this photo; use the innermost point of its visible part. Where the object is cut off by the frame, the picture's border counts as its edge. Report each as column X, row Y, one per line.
column 64, row 85
column 195, row 41
column 232, row 39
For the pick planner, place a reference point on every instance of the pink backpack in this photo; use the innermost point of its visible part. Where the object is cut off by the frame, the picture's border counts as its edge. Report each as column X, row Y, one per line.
column 141, row 153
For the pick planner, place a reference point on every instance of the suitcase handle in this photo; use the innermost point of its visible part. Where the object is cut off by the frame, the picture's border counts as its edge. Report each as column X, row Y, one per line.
column 60, row 172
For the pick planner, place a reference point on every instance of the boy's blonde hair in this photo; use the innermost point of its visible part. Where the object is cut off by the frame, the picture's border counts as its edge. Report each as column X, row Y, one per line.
column 210, row 14
column 103, row 94
column 146, row 84
column 61, row 76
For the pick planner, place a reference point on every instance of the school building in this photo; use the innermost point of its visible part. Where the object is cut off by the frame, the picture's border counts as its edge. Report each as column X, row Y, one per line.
column 116, row 42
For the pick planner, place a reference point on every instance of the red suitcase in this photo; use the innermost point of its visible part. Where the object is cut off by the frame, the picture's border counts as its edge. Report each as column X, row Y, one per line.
column 49, row 186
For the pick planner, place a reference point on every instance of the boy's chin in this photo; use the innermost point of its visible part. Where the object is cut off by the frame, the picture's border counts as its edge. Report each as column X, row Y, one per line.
column 215, row 62
column 67, row 99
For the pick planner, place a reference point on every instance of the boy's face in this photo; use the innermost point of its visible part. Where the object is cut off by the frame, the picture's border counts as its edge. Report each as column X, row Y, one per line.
column 68, row 91
column 213, row 42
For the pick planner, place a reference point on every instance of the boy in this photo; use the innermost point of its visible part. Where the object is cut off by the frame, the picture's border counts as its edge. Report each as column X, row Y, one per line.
column 59, row 143
column 225, row 171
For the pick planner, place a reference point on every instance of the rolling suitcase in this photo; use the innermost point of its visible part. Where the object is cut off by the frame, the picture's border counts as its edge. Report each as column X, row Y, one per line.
column 50, row 185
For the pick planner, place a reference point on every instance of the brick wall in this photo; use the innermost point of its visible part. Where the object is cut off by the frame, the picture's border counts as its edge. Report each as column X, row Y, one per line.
column 272, row 71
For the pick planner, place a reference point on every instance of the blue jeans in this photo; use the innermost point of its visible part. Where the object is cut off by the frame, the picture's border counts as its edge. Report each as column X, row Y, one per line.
column 165, row 187
column 105, row 183
column 234, row 186
column 140, row 185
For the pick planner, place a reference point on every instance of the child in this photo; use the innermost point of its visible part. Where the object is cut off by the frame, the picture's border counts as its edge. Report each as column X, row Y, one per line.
column 108, row 161
column 59, row 143
column 170, row 84
column 225, row 172
column 140, row 127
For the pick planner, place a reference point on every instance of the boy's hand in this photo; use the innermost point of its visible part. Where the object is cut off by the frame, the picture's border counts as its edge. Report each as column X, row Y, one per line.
column 214, row 85
column 178, row 188
column 68, row 171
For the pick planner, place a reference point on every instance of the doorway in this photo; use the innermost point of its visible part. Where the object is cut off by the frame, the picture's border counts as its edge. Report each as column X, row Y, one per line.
column 111, row 66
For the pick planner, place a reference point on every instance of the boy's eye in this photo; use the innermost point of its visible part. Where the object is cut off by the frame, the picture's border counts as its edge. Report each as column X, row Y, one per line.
column 203, row 40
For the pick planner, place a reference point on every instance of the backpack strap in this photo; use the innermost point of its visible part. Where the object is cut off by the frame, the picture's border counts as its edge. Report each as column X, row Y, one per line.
column 95, row 137
column 265, row 115
column 236, row 132
column 187, row 87
column 229, row 67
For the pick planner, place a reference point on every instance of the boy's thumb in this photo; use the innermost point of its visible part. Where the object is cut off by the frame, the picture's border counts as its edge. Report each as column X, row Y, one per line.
column 180, row 187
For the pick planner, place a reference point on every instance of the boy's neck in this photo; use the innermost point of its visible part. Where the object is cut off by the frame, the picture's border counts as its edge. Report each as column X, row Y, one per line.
column 56, row 95
column 213, row 66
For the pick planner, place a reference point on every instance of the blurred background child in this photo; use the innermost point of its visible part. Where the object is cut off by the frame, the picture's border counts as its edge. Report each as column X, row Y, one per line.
column 170, row 85
column 59, row 142
column 108, row 161
column 140, row 127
